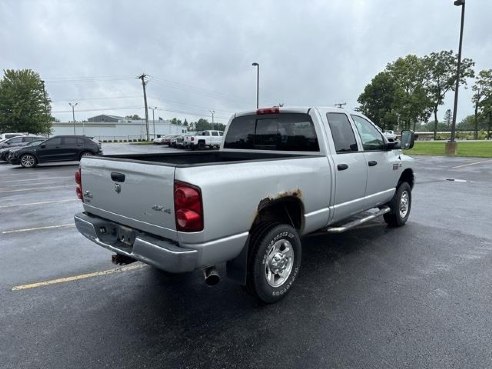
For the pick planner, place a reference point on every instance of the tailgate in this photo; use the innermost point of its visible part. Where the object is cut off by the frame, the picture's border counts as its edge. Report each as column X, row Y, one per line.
column 134, row 194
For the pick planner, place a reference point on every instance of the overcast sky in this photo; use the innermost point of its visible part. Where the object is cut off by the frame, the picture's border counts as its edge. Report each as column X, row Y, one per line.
column 198, row 54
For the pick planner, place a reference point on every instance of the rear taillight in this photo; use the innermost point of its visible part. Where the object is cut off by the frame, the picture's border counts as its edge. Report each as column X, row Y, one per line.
column 188, row 207
column 78, row 181
column 263, row 111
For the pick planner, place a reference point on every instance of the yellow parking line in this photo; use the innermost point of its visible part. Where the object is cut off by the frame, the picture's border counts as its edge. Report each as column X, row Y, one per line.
column 79, row 277
column 38, row 228
column 3, row 190
column 38, row 203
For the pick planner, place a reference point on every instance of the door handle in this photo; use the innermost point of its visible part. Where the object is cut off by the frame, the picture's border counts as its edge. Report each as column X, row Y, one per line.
column 372, row 163
column 342, row 166
column 117, row 177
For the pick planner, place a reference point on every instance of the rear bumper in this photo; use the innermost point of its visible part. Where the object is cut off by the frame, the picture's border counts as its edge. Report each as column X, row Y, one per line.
column 150, row 250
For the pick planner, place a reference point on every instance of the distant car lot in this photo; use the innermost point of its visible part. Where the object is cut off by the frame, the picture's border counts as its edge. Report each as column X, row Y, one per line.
column 416, row 297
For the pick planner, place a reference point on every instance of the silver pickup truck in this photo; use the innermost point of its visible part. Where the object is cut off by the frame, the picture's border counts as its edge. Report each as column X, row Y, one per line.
column 280, row 173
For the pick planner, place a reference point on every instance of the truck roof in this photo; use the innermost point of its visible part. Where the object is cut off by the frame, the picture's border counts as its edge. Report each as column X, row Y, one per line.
column 297, row 109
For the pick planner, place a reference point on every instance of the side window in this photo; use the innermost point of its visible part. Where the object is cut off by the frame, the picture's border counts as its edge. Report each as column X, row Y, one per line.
column 70, row 141
column 206, row 133
column 214, row 133
column 54, row 141
column 371, row 138
column 80, row 141
column 221, row 133
column 342, row 133
column 15, row 140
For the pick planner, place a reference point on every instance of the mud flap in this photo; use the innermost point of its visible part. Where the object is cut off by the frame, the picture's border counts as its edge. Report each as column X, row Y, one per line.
column 237, row 268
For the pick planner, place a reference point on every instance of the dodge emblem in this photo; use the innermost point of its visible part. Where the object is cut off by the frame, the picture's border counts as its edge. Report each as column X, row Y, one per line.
column 117, row 188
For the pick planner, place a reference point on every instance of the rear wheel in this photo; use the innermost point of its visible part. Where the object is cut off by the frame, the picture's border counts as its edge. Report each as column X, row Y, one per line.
column 28, row 161
column 201, row 145
column 274, row 262
column 400, row 206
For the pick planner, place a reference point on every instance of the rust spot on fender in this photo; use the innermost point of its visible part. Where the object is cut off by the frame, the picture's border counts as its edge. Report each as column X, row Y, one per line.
column 267, row 200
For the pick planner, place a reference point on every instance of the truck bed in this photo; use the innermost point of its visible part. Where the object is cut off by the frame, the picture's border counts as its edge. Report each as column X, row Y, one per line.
column 202, row 158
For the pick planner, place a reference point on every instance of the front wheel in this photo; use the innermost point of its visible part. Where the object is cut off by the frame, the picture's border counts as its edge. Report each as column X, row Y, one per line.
column 28, row 161
column 274, row 262
column 400, row 206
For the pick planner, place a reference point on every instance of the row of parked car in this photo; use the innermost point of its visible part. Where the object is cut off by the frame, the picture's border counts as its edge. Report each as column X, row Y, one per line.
column 30, row 150
column 195, row 140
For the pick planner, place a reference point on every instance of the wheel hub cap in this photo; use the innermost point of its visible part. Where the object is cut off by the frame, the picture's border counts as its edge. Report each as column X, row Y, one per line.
column 278, row 266
column 404, row 204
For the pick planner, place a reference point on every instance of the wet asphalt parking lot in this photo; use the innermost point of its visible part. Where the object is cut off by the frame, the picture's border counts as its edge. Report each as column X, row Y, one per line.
column 414, row 297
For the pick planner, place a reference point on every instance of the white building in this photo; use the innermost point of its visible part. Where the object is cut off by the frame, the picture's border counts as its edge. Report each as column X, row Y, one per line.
column 113, row 129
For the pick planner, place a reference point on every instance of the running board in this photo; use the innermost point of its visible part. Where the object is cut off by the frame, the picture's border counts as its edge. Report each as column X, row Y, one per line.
column 357, row 222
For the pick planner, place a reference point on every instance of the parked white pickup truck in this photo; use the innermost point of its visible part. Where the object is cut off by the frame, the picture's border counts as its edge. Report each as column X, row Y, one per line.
column 201, row 140
column 280, row 173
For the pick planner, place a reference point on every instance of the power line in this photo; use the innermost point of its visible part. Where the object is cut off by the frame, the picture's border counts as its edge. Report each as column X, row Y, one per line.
column 140, row 107
column 98, row 109
column 98, row 98
column 88, row 79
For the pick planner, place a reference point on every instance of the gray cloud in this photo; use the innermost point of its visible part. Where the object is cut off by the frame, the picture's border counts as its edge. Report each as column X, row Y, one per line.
column 199, row 53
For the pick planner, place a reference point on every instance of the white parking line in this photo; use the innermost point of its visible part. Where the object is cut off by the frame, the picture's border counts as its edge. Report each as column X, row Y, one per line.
column 38, row 203
column 470, row 164
column 37, row 228
column 126, row 268
column 37, row 179
column 4, row 190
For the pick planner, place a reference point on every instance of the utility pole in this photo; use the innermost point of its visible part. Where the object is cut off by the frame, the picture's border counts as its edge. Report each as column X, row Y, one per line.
column 340, row 105
column 143, row 77
column 212, row 112
column 73, row 114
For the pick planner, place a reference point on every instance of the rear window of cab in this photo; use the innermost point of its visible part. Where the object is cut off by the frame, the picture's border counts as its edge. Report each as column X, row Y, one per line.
column 280, row 132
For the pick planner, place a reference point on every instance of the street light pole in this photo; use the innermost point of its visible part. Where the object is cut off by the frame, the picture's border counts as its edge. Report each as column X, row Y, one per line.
column 73, row 114
column 257, row 83
column 451, row 148
column 212, row 112
column 153, row 118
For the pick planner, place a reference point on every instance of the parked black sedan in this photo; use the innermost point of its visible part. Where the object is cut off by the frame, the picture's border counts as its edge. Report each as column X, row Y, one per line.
column 57, row 148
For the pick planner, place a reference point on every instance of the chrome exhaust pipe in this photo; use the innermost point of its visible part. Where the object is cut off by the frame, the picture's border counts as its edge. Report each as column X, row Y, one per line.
column 211, row 276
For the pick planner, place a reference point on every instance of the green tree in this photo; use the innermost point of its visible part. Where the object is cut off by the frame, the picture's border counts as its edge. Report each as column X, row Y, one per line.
column 176, row 121
column 441, row 77
column 134, row 117
column 378, row 100
column 24, row 103
column 202, row 125
column 448, row 117
column 482, row 98
column 412, row 101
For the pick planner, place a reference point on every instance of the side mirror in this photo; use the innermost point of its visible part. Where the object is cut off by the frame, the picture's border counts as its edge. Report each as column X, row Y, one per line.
column 42, row 146
column 407, row 139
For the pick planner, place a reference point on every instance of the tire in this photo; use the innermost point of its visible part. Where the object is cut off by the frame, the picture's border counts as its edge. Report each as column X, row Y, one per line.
column 86, row 153
column 274, row 262
column 28, row 161
column 400, row 205
column 201, row 145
